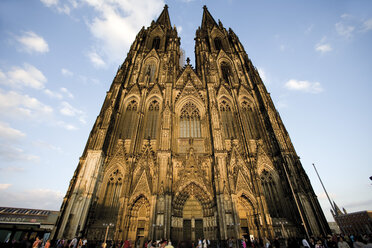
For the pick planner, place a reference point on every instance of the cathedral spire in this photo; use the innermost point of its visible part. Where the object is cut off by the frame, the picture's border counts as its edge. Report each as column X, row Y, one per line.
column 207, row 20
column 164, row 18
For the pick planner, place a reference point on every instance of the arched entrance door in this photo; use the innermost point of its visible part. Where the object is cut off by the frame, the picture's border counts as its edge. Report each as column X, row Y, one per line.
column 248, row 225
column 192, row 214
column 138, row 221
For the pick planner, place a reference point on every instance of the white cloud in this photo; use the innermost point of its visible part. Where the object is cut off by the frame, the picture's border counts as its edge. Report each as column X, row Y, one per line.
column 67, row 126
column 66, row 72
column 120, row 20
column 9, row 133
column 68, row 110
column 22, row 106
column 304, row 86
column 50, row 3
column 262, row 73
column 367, row 25
column 32, row 198
column 53, row 94
column 96, row 59
column 32, row 42
column 4, row 186
column 11, row 153
column 344, row 29
column 62, row 8
column 28, row 76
column 323, row 48
column 66, row 92
column 179, row 29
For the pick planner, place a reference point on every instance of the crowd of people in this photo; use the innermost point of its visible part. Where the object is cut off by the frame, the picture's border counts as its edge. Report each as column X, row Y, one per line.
column 329, row 241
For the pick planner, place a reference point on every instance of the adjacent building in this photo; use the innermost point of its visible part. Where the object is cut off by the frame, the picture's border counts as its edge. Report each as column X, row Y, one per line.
column 19, row 223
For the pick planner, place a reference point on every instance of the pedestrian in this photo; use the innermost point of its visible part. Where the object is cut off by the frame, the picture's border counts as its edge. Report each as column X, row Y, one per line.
column 169, row 245
column 73, row 243
column 47, row 244
column 37, row 243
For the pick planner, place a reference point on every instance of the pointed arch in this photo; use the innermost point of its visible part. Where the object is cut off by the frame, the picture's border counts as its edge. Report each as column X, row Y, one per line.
column 152, row 119
column 192, row 189
column 111, row 193
column 249, row 117
column 190, row 121
column 138, row 217
column 228, row 119
column 130, row 118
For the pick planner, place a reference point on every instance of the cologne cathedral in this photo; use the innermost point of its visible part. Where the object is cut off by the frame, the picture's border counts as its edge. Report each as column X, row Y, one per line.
column 183, row 152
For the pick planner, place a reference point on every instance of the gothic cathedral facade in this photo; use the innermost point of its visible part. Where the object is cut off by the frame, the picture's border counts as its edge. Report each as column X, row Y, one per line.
column 183, row 153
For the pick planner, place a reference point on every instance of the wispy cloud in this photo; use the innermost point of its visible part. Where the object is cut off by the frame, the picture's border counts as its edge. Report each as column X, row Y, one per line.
column 22, row 106
column 53, row 94
column 31, row 42
column 32, row 198
column 96, row 60
column 304, row 86
column 322, row 46
column 68, row 110
column 344, row 29
column 367, row 25
column 26, row 76
column 4, row 186
column 9, row 133
column 66, row 72
column 66, row 92
column 12, row 153
column 262, row 73
column 61, row 8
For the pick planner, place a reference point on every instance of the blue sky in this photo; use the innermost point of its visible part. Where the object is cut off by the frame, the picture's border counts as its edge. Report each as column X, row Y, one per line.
column 59, row 57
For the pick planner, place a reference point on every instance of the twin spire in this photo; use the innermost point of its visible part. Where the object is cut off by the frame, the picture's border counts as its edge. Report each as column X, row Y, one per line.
column 207, row 19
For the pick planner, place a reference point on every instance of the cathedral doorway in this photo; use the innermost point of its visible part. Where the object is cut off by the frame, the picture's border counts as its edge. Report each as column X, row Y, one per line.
column 193, row 215
column 248, row 224
column 138, row 221
column 192, row 219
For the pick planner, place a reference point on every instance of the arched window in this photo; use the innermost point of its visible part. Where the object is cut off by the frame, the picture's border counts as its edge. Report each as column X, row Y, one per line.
column 228, row 122
column 190, row 126
column 156, row 43
column 217, row 43
column 150, row 70
column 110, row 205
column 129, row 119
column 226, row 72
column 152, row 121
column 249, row 120
column 271, row 194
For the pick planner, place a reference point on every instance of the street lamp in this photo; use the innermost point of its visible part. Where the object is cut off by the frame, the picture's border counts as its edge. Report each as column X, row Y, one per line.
column 107, row 225
column 284, row 232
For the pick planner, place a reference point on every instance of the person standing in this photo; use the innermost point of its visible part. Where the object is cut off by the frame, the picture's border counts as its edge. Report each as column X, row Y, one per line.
column 73, row 243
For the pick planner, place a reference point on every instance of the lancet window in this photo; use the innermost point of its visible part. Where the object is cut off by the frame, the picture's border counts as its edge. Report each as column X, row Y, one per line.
column 217, row 43
column 156, row 43
column 110, row 205
column 271, row 193
column 130, row 119
column 152, row 122
column 190, row 125
column 228, row 122
column 249, row 120
column 226, row 72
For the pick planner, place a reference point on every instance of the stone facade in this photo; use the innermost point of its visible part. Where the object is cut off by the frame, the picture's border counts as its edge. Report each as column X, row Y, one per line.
column 181, row 152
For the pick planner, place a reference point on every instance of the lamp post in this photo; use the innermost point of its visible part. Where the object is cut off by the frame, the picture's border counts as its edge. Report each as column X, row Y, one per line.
column 107, row 225
column 284, row 232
